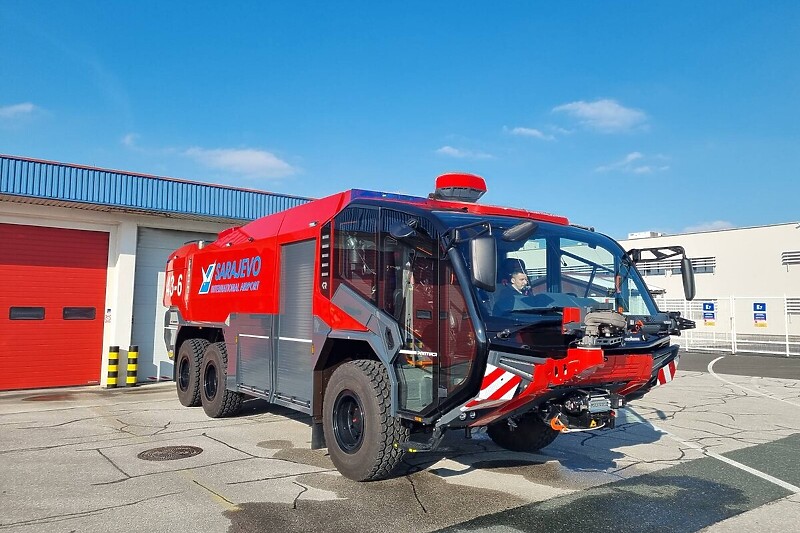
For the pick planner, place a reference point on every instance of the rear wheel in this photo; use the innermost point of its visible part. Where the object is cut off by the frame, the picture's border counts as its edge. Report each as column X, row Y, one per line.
column 187, row 371
column 217, row 401
column 530, row 435
column 364, row 440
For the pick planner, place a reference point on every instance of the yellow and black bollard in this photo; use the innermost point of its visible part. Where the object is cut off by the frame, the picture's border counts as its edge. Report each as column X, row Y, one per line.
column 113, row 367
column 133, row 364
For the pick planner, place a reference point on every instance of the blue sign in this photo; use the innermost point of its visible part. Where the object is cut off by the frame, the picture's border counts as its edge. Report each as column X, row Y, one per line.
column 708, row 316
column 708, row 306
column 760, row 317
column 759, row 307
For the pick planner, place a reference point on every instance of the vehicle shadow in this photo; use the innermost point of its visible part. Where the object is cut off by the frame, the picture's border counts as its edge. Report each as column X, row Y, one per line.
column 601, row 451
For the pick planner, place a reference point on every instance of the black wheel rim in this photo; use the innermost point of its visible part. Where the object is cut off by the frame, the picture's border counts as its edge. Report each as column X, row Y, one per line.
column 183, row 374
column 210, row 382
column 348, row 421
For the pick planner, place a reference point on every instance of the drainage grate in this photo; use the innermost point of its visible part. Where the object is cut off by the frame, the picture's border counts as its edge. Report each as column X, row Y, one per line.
column 169, row 453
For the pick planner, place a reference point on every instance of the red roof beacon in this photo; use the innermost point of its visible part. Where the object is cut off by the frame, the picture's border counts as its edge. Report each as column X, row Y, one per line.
column 458, row 187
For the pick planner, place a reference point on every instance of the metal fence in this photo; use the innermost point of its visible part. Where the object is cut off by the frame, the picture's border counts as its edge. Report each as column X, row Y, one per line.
column 740, row 324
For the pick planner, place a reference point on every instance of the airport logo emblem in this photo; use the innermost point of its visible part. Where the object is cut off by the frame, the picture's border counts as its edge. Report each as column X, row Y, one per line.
column 208, row 275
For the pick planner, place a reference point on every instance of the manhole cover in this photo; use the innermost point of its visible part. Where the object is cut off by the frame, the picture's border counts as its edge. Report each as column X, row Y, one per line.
column 169, row 453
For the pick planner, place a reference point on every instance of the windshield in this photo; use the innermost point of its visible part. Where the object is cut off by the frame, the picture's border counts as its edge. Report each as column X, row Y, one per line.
column 550, row 267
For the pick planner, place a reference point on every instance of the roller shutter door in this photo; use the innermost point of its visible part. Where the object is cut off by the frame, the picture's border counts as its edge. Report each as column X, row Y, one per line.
column 52, row 294
column 152, row 249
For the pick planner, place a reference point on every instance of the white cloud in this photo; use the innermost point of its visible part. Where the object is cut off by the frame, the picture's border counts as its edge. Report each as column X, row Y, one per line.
column 130, row 139
column 623, row 164
column 606, row 116
column 16, row 110
column 531, row 132
column 247, row 162
column 562, row 131
column 636, row 163
column 709, row 226
column 462, row 154
column 647, row 169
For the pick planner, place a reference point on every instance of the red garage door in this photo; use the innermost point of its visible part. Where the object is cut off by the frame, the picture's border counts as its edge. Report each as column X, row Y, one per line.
column 52, row 293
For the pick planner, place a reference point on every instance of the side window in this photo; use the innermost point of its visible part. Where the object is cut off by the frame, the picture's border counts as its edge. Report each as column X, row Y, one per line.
column 26, row 313
column 408, row 279
column 409, row 292
column 79, row 313
column 458, row 345
column 355, row 250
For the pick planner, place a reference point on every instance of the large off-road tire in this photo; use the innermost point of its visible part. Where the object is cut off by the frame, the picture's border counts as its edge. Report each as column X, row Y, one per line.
column 187, row 371
column 217, row 401
column 530, row 435
column 363, row 439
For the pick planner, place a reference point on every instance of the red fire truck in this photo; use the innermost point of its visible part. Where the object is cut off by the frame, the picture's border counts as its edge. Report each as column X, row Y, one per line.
column 390, row 319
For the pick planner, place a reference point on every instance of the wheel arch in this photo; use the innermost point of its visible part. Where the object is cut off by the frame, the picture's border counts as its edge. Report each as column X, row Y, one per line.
column 210, row 333
column 334, row 353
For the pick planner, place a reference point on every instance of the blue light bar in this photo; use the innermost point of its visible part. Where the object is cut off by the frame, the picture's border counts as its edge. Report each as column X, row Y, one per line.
column 374, row 195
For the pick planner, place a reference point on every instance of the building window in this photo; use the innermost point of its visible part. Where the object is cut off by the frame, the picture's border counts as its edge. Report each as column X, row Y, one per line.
column 26, row 313
column 79, row 313
column 700, row 265
column 790, row 258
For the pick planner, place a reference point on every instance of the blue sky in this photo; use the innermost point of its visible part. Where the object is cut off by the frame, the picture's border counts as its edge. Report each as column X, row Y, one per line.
column 627, row 116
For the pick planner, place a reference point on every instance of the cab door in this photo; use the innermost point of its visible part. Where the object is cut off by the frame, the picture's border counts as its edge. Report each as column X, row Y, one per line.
column 420, row 289
column 409, row 291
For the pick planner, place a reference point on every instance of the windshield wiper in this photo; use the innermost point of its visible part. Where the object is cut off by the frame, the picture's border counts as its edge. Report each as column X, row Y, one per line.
column 537, row 310
column 465, row 233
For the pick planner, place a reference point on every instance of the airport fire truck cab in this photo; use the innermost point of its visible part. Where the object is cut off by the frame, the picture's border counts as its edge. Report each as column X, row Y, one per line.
column 391, row 319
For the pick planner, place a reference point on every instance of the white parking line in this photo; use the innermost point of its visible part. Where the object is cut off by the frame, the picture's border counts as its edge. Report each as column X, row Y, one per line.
column 711, row 371
column 736, row 464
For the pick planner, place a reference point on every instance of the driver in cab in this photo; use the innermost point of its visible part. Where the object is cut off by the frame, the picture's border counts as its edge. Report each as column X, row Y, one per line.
column 509, row 293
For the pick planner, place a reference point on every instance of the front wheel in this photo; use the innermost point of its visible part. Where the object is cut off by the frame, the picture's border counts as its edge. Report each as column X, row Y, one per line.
column 530, row 435
column 364, row 440
column 217, row 401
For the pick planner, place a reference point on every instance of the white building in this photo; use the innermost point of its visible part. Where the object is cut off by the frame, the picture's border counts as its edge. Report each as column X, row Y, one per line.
column 82, row 256
column 748, row 286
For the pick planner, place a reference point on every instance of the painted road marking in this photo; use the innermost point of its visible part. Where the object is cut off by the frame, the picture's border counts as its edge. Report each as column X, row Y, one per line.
column 711, row 371
column 718, row 457
column 682, row 499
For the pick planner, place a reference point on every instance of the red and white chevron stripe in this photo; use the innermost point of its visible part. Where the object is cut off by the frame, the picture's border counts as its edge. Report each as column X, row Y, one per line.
column 498, row 387
column 667, row 372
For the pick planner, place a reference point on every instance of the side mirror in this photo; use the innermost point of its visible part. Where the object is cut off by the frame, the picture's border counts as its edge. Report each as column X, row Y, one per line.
column 687, row 273
column 403, row 230
column 483, row 255
column 520, row 232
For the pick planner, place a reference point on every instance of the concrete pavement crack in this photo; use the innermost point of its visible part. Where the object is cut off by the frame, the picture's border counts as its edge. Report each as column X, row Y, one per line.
column 81, row 514
column 416, row 496
column 124, row 473
column 305, row 489
column 282, row 476
column 206, row 435
column 164, row 428
column 169, row 472
column 62, row 423
column 33, row 449
column 215, row 493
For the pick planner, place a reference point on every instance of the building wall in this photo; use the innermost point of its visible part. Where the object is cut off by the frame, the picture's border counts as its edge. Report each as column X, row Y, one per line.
column 749, row 303
column 122, row 229
column 748, row 262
